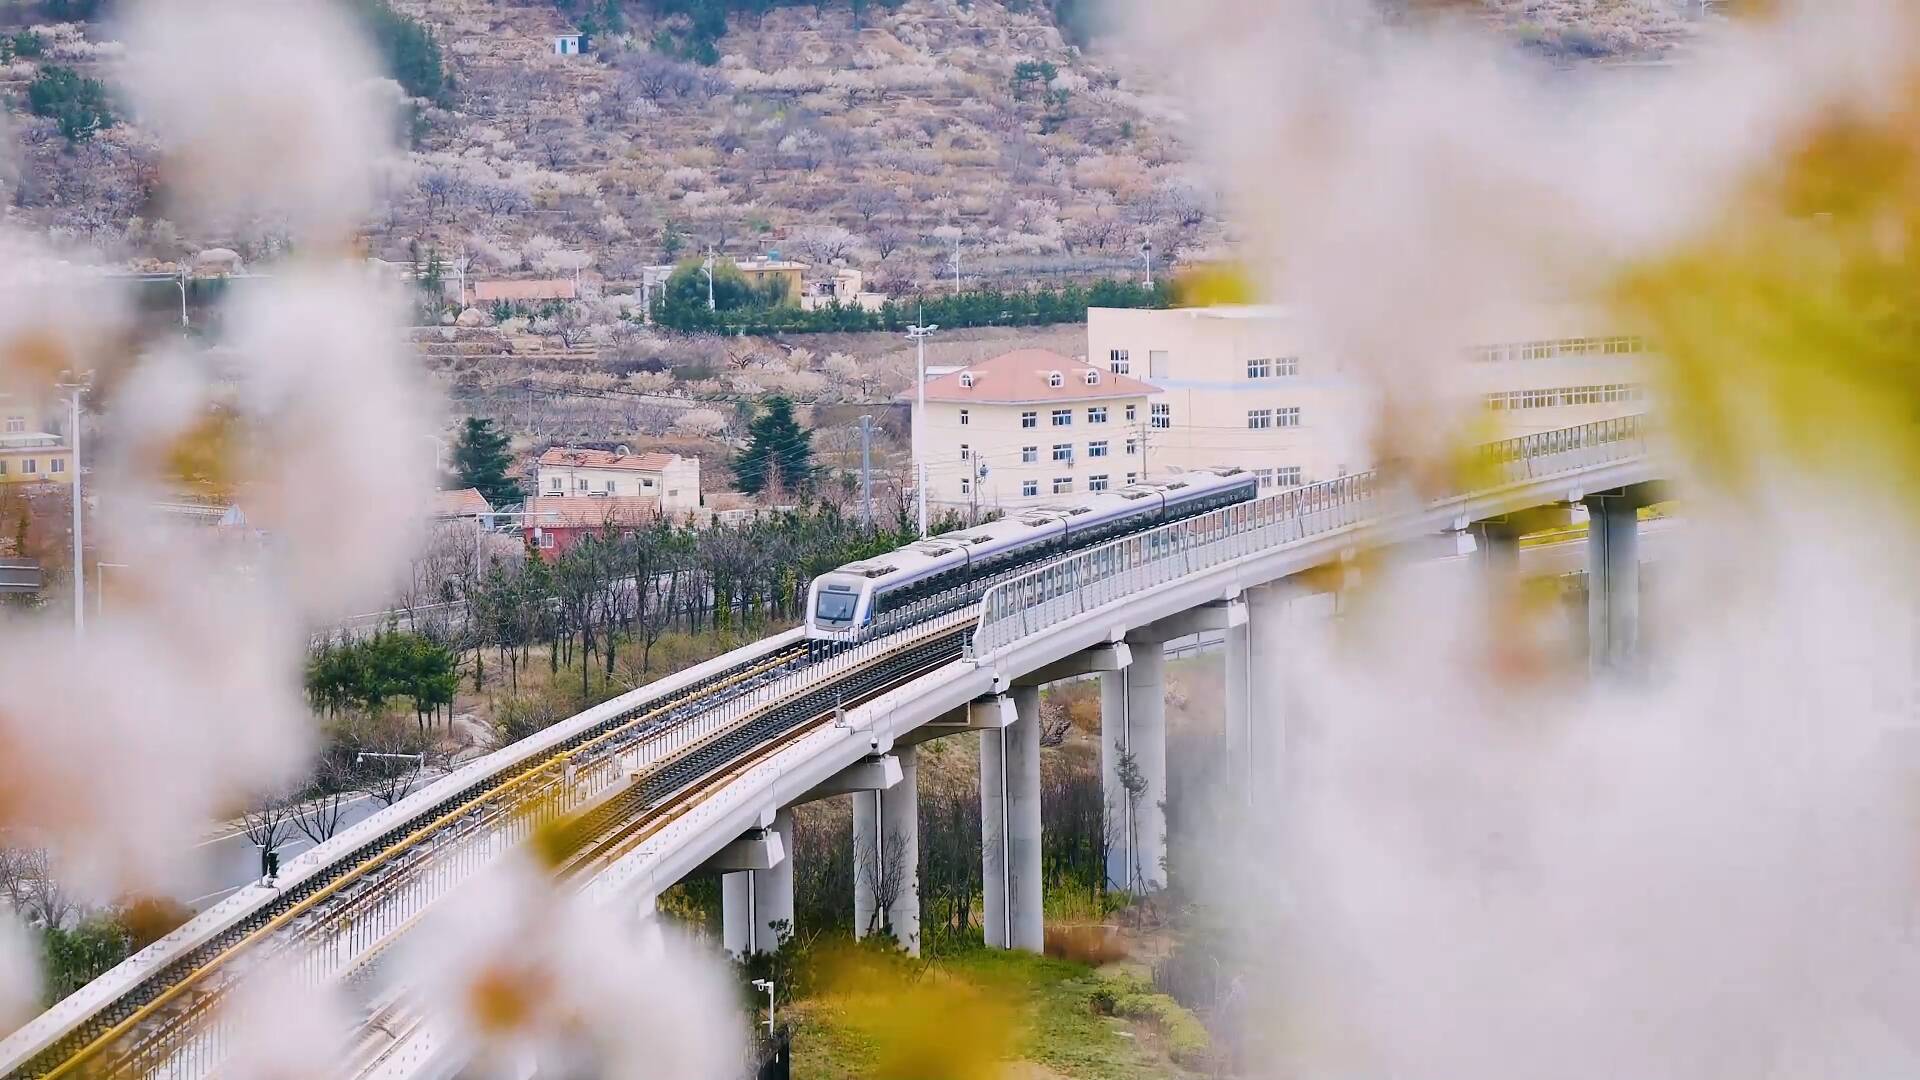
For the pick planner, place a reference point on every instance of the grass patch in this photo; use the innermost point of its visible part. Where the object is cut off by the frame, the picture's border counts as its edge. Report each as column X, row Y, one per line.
column 1044, row 1010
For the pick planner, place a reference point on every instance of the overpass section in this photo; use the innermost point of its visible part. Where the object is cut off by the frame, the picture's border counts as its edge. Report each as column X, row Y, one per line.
column 698, row 773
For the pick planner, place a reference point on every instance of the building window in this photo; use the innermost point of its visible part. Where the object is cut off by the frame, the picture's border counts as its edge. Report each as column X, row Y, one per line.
column 1287, row 476
column 1133, row 477
column 965, row 452
column 59, row 464
column 1163, row 416
column 1097, row 449
column 1097, row 482
column 1063, row 485
column 1097, row 415
column 1029, row 487
column 1055, row 379
column 963, row 418
column 1259, row 418
column 1133, row 413
column 1063, row 452
column 1133, row 447
column 1157, row 364
column 966, row 380
column 554, row 485
column 1118, row 363
column 1091, row 376
column 1029, row 455
column 1063, row 418
column 1259, row 369
column 1265, row 476
column 966, row 485
column 30, row 466
column 16, row 424
column 580, row 484
column 546, row 540
column 1287, row 417
column 1286, row 366
column 3, row 468
column 1029, row 419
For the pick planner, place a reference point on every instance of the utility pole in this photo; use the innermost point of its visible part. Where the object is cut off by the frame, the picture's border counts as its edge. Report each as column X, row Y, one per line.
column 708, row 268
column 866, row 472
column 956, row 262
column 76, row 385
column 1146, row 252
column 919, row 335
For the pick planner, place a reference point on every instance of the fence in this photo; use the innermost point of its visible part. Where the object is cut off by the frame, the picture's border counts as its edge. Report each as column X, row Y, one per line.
column 1061, row 590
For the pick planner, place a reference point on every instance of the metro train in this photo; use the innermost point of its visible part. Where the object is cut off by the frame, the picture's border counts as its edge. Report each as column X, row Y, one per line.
column 849, row 602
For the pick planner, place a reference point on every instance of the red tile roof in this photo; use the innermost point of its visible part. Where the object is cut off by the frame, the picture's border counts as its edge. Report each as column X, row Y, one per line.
column 584, row 458
column 591, row 513
column 1021, row 376
column 467, row 502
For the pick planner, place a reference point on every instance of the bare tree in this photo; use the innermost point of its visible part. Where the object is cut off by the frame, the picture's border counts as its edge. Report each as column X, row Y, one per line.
column 869, row 201
column 884, row 873
column 391, row 763
column 268, row 823
column 319, row 816
column 886, row 241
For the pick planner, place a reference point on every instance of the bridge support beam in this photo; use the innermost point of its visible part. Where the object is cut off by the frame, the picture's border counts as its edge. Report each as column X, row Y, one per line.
column 1613, row 582
column 1133, row 767
column 886, row 856
column 756, row 888
column 1012, row 914
column 1262, row 760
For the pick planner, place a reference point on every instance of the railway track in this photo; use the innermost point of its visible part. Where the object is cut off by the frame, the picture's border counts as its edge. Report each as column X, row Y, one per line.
column 183, row 990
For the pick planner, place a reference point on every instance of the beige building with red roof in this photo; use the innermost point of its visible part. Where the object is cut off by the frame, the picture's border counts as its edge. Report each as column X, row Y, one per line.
column 566, row 472
column 1031, row 426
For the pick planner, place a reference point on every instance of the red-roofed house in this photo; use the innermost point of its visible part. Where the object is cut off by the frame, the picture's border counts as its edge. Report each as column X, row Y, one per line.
column 551, row 526
column 567, row 472
column 466, row 504
column 1030, row 426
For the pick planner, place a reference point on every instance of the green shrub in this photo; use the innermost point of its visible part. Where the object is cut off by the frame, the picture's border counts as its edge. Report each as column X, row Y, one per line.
column 78, row 103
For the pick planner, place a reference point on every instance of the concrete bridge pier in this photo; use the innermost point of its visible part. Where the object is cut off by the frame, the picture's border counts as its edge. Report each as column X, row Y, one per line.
column 1013, row 914
column 1613, row 581
column 1262, row 759
column 1133, row 766
column 886, row 856
column 756, row 886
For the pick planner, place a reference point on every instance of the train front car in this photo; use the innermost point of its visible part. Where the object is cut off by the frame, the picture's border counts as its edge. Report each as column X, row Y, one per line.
column 839, row 603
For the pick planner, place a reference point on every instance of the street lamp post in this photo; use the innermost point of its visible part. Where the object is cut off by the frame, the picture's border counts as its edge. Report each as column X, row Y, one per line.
column 76, row 384
column 1146, row 253
column 182, row 282
column 707, row 269
column 919, row 335
column 766, row 985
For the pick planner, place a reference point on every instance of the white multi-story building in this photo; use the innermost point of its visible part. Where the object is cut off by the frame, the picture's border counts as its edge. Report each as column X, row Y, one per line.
column 1029, row 427
column 1244, row 386
column 571, row 472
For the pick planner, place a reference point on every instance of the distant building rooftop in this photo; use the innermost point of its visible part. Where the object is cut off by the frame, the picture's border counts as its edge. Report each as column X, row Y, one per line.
column 1028, row 375
column 584, row 458
column 466, row 502
column 487, row 292
column 592, row 513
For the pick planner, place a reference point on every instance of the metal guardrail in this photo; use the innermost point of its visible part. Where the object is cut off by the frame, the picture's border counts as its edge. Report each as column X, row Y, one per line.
column 1065, row 588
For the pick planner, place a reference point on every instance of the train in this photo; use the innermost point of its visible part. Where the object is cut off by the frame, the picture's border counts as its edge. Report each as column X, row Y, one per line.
column 850, row 602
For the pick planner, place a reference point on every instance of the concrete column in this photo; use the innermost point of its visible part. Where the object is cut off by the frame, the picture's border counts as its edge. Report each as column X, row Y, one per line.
column 1613, row 583
column 1133, row 723
column 1496, row 547
column 866, row 853
column 1236, row 747
column 993, row 837
column 1026, row 892
column 1271, row 610
column 736, row 911
column 773, row 892
column 900, row 836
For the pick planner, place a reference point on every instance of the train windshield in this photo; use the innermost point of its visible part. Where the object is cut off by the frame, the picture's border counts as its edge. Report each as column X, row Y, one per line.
column 835, row 607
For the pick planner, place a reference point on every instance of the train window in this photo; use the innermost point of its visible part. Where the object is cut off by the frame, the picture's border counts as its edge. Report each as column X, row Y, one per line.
column 835, row 607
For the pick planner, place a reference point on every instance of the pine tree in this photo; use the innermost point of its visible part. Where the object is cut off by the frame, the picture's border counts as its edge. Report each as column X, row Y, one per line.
column 779, row 452
column 480, row 458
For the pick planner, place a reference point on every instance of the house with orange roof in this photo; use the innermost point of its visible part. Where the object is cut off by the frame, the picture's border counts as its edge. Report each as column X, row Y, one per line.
column 1031, row 426
column 569, row 472
column 551, row 526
